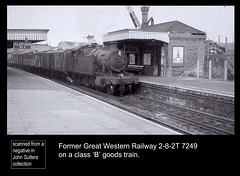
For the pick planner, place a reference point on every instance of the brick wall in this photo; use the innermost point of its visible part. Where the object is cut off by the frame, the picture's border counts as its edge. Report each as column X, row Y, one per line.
column 193, row 51
column 219, row 105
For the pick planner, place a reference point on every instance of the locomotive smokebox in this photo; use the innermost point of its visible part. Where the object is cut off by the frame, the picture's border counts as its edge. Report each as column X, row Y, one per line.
column 112, row 59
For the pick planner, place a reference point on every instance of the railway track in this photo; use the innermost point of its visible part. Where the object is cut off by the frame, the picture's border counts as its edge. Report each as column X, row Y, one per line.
column 186, row 121
column 190, row 120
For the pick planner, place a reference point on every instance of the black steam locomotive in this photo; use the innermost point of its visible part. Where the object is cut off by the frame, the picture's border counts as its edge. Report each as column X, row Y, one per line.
column 99, row 67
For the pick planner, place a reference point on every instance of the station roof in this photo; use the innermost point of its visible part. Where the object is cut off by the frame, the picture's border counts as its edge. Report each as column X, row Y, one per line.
column 172, row 26
column 45, row 30
column 126, row 34
column 157, row 32
column 21, row 35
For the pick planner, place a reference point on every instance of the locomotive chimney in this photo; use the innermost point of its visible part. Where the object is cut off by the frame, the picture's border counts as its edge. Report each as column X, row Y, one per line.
column 144, row 10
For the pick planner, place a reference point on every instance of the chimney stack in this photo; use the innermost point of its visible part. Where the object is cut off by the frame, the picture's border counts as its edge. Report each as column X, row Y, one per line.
column 218, row 39
column 91, row 39
column 144, row 10
column 226, row 45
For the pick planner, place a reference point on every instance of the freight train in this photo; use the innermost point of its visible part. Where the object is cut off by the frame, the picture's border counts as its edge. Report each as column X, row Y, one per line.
column 102, row 68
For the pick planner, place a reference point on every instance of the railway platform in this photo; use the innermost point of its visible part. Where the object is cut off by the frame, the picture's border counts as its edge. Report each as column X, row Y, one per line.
column 36, row 105
column 213, row 86
column 215, row 97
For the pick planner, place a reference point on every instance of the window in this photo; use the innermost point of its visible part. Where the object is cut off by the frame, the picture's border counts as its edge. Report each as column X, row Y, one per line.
column 147, row 59
column 132, row 59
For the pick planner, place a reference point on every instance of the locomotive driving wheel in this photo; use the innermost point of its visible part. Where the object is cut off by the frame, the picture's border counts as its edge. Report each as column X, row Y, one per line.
column 129, row 88
column 110, row 89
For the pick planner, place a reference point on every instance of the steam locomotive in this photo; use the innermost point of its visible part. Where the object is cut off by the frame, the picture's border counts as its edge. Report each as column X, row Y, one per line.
column 102, row 68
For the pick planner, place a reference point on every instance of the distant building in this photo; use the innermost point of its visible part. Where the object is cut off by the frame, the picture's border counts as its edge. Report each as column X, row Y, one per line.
column 91, row 39
column 41, row 47
column 70, row 45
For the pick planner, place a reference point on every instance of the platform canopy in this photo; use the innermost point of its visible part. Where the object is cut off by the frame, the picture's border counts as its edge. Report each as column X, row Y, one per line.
column 126, row 34
column 21, row 35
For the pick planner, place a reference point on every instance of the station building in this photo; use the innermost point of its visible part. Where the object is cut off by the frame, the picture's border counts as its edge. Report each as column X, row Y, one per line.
column 165, row 49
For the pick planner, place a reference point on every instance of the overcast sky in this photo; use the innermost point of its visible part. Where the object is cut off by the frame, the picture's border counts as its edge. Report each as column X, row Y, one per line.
column 73, row 23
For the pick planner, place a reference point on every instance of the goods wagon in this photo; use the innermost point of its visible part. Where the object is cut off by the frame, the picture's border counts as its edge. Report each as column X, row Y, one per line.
column 59, row 62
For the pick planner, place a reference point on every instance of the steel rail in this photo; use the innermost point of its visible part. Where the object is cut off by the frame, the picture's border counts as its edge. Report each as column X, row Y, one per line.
column 175, row 113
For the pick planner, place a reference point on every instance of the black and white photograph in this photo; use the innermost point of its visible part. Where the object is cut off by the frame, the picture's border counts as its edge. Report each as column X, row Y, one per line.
column 120, row 70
